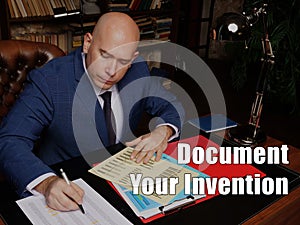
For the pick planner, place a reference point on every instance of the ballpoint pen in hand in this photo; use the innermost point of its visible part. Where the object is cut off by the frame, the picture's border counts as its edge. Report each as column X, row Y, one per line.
column 64, row 175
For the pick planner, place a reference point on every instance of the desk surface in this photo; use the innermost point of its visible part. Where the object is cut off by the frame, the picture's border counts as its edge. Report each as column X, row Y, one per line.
column 285, row 210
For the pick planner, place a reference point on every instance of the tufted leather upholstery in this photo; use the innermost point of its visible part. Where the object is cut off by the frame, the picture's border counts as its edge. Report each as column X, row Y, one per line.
column 17, row 58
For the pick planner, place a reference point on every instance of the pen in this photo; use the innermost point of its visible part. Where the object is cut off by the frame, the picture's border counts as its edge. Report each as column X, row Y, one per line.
column 64, row 175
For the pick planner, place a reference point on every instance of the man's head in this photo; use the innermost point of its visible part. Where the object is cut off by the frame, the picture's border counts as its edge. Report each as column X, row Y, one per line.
column 111, row 48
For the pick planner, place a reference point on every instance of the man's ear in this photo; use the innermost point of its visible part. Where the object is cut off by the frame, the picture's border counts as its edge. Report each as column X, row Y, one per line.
column 87, row 40
column 136, row 54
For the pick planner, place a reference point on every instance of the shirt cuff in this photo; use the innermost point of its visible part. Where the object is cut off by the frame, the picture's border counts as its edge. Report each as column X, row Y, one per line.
column 30, row 187
column 175, row 129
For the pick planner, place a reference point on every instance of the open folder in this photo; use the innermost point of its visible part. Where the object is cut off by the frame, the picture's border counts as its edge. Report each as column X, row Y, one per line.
column 147, row 206
column 117, row 170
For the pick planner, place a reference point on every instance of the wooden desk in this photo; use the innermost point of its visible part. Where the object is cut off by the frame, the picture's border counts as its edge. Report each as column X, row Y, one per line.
column 285, row 210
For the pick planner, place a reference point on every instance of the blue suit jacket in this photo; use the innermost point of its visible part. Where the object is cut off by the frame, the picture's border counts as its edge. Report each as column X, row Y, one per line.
column 58, row 107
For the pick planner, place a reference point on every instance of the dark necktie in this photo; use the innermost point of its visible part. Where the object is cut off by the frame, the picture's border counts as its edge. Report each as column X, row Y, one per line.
column 109, row 117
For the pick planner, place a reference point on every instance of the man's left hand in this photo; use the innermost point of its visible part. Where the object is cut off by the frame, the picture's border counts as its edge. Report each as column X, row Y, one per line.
column 148, row 144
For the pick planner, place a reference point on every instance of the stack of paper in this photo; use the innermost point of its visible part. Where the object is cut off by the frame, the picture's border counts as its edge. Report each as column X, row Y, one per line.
column 97, row 210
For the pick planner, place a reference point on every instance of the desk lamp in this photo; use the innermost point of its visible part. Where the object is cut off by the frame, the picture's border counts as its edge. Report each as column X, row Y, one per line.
column 235, row 27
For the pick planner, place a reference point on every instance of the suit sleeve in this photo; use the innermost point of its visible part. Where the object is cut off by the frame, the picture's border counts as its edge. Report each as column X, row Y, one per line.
column 19, row 131
column 163, row 105
column 147, row 94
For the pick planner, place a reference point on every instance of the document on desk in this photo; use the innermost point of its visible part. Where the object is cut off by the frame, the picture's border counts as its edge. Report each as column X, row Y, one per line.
column 97, row 210
column 118, row 168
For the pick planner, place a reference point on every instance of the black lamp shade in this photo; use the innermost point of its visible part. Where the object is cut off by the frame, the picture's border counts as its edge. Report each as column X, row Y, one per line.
column 233, row 27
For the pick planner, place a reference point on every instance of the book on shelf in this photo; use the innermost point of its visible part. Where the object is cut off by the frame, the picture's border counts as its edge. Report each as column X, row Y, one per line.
column 77, row 4
column 16, row 10
column 67, row 5
column 163, row 36
column 32, row 9
column 53, row 4
column 42, row 7
column 72, row 7
column 163, row 20
column 76, row 41
column 27, row 9
column 21, row 8
column 143, row 5
column 49, row 8
column 139, row 19
column 145, row 23
column 162, row 26
column 154, row 4
column 135, row 4
column 158, row 27
column 36, row 8
column 118, row 5
column 11, row 9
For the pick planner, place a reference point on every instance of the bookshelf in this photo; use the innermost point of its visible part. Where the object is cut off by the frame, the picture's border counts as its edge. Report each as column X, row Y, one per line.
column 36, row 20
column 63, row 22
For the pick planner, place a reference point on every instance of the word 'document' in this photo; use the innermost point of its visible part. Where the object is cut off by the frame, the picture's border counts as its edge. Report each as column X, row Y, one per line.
column 232, row 155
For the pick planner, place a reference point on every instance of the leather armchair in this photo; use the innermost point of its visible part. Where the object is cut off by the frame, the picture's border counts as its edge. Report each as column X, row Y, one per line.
column 17, row 59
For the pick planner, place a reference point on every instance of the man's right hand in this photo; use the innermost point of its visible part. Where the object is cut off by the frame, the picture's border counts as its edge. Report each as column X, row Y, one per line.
column 59, row 194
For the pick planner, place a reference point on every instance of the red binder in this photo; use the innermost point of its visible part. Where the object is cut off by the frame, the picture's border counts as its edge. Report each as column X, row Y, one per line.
column 215, row 170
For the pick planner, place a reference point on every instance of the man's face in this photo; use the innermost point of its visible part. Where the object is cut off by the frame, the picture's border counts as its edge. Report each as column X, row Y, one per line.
column 108, row 61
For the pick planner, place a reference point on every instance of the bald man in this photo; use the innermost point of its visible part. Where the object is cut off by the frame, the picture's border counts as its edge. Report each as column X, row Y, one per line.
column 64, row 89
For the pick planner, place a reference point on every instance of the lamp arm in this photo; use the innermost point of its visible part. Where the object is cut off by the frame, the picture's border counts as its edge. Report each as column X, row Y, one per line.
column 251, row 134
column 267, row 63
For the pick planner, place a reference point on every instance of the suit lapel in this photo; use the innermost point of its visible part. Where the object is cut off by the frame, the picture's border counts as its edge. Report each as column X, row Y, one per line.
column 87, row 109
column 87, row 100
